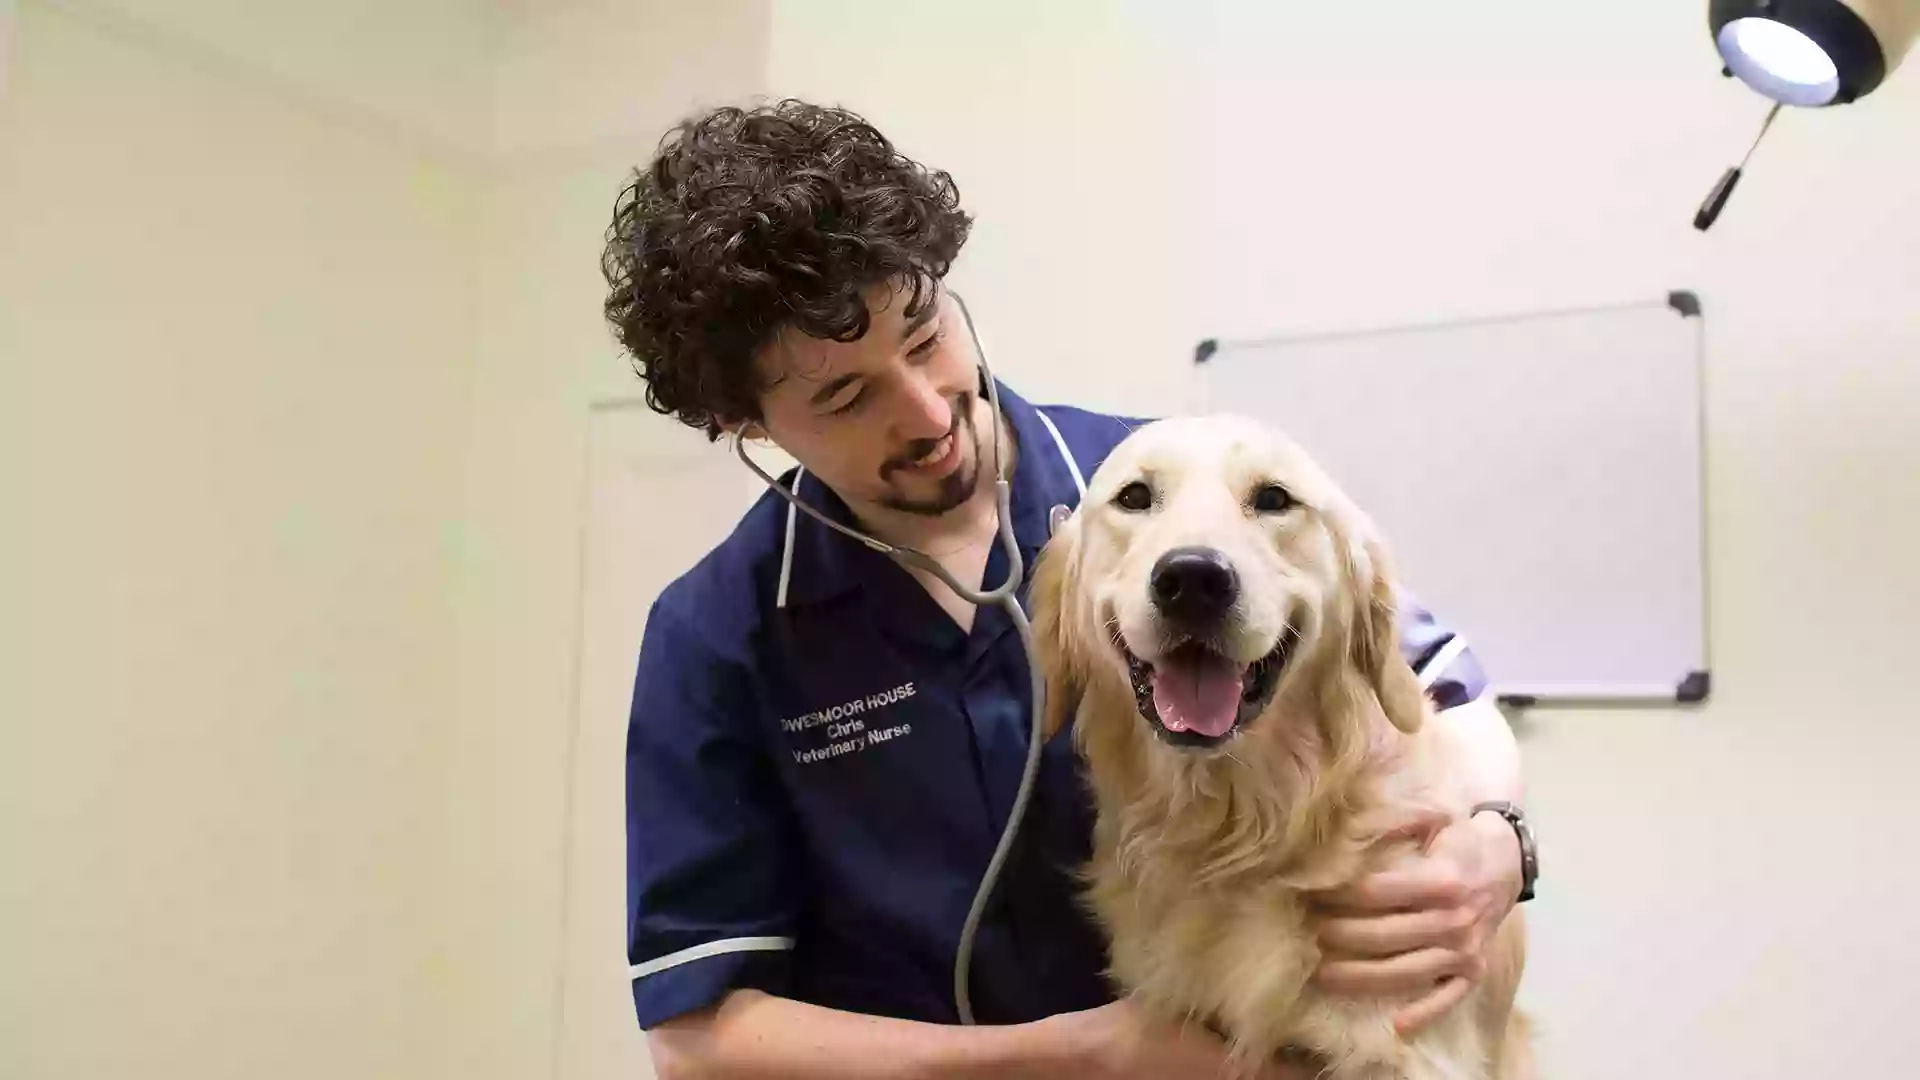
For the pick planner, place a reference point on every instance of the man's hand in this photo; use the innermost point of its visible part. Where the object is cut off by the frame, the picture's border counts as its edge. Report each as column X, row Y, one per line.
column 1419, row 927
column 1117, row 1042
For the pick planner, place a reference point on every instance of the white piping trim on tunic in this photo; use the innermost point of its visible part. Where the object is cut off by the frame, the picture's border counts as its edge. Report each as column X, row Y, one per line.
column 786, row 550
column 1079, row 482
column 1448, row 653
column 711, row 948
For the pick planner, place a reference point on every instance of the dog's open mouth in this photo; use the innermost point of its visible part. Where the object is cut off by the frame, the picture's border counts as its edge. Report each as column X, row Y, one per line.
column 1196, row 697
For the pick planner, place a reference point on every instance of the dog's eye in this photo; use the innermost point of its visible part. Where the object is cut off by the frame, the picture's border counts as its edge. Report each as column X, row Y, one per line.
column 1136, row 497
column 1272, row 499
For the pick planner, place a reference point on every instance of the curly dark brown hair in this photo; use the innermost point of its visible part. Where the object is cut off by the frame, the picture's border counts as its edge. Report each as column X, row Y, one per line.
column 748, row 221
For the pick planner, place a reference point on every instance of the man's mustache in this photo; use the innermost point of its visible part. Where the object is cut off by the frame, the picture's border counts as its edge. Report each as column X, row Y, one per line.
column 919, row 448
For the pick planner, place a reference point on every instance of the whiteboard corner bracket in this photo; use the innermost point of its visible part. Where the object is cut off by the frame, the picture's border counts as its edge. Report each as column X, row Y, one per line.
column 1694, row 688
column 1686, row 302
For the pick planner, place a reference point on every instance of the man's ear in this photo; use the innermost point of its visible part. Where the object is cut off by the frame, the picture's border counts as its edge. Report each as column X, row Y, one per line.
column 1375, row 636
column 1053, row 600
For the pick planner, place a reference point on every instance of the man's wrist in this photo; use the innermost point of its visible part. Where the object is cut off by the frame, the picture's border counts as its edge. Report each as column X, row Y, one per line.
column 1505, row 827
column 1037, row 1049
column 1060, row 1045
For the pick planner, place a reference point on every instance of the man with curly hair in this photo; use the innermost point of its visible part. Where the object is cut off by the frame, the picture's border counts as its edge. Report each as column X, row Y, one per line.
column 823, row 746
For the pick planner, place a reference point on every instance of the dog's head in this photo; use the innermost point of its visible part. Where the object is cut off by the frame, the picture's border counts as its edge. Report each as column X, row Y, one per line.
column 1211, row 570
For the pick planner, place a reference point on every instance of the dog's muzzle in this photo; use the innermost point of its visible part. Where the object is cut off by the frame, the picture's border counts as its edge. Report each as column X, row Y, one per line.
column 1194, row 694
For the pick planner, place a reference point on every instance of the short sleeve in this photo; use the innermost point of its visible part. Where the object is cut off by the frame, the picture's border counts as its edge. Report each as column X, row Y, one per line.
column 1446, row 665
column 710, row 906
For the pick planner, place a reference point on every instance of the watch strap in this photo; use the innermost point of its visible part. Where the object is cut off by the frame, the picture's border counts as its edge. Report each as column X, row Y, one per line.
column 1522, row 831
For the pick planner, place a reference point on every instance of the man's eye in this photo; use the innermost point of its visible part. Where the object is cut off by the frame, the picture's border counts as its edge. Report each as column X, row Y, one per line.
column 1272, row 499
column 1134, row 498
column 928, row 343
column 850, row 404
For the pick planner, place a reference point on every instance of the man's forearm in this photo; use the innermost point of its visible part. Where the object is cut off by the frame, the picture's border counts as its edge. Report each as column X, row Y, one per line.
column 1487, row 756
column 1481, row 745
column 752, row 1035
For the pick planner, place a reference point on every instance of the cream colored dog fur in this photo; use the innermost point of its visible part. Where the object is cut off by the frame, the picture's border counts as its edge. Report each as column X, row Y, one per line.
column 1205, row 848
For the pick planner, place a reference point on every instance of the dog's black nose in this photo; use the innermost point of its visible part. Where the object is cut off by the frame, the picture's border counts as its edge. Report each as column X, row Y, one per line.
column 1194, row 586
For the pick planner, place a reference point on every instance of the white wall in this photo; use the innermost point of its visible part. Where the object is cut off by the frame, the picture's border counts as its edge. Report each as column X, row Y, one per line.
column 8, row 9
column 1724, row 888
column 585, row 91
column 300, row 326
column 416, row 72
column 236, row 327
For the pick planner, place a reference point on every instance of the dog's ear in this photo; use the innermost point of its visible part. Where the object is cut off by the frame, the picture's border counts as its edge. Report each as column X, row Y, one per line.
column 1056, row 643
column 1375, row 637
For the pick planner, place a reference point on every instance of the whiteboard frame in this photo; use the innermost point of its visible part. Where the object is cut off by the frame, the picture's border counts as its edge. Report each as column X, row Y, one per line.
column 1690, row 688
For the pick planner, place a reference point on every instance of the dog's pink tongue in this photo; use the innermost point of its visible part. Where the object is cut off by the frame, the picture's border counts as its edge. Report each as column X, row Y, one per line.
column 1197, row 691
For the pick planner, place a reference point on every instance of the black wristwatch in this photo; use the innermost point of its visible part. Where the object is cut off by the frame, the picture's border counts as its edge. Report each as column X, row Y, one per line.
column 1529, row 854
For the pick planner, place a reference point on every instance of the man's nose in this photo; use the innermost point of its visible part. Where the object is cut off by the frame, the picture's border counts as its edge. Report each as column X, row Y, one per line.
column 926, row 413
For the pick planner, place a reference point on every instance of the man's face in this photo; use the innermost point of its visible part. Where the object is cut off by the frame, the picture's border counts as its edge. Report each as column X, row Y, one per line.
column 890, row 420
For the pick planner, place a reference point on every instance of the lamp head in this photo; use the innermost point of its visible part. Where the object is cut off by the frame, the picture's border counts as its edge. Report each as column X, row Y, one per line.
column 1813, row 53
column 1807, row 53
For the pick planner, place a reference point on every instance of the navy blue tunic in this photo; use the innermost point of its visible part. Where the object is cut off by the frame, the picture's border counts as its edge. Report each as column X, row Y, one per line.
column 820, row 762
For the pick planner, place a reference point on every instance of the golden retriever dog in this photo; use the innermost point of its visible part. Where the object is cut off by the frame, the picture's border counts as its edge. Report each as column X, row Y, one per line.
column 1217, row 622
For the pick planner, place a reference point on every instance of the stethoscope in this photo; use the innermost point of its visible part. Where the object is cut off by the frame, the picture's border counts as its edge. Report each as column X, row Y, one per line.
column 1003, row 596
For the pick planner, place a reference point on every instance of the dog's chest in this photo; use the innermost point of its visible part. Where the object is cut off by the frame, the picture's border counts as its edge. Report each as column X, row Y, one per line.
column 1242, row 964
column 1194, row 949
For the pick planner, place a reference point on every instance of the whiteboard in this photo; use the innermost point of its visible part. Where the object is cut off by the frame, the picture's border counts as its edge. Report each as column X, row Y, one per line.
column 1538, row 479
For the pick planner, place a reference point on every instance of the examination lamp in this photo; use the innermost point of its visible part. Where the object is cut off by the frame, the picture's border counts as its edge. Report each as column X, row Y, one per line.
column 1808, row 54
